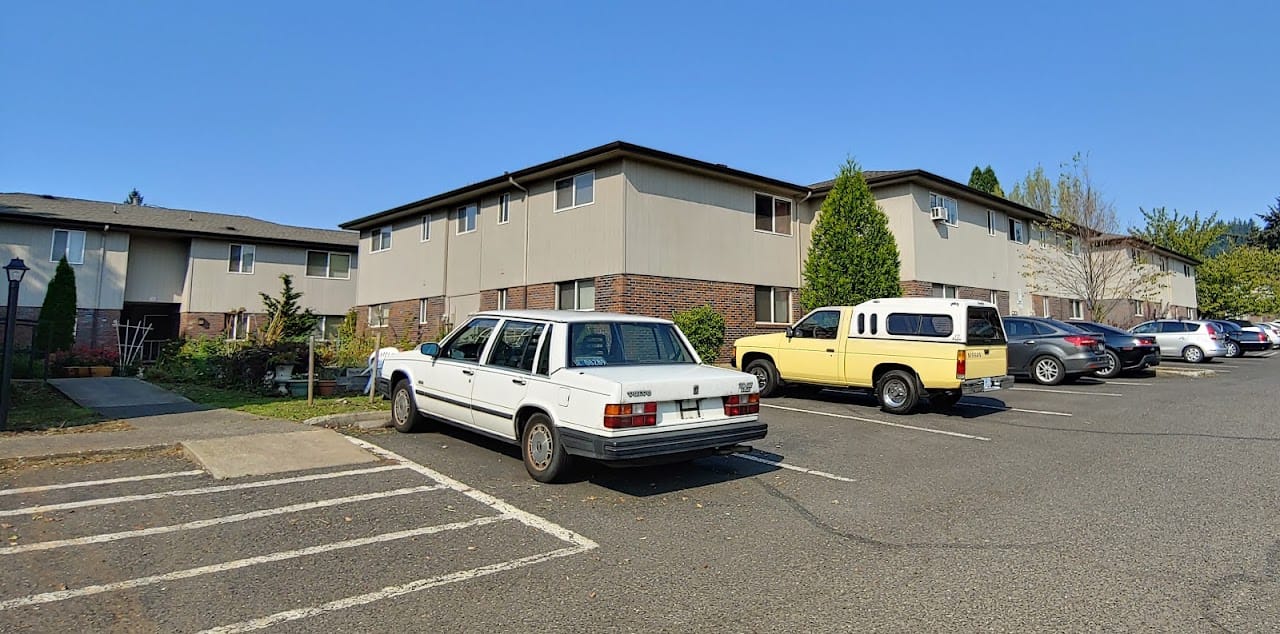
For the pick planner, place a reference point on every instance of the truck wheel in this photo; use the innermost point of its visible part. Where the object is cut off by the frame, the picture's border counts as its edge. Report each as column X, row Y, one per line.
column 898, row 392
column 945, row 400
column 404, row 413
column 544, row 456
column 766, row 375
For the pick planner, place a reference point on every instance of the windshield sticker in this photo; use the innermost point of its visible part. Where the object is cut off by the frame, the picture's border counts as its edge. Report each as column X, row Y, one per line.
column 589, row 361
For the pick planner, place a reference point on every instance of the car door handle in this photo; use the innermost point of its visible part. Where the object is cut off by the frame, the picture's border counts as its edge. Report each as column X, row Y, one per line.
column 1028, row 343
column 468, row 372
column 518, row 381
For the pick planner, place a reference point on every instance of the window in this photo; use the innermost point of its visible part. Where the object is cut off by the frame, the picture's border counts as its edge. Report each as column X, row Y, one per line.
column 953, row 208
column 625, row 343
column 773, row 305
column 1017, row 231
column 504, row 209
column 1186, row 270
column 820, row 325
column 240, row 258
column 943, row 290
column 1133, row 255
column 773, row 214
column 335, row 266
column 1044, row 303
column 918, row 325
column 575, row 191
column 327, row 327
column 1077, row 309
column 862, row 323
column 426, row 228
column 1144, row 329
column 502, row 299
column 991, row 223
column 544, row 353
column 68, row 243
column 984, row 327
column 516, row 345
column 467, row 215
column 576, row 295
column 470, row 342
column 1137, row 307
column 379, row 315
column 422, row 311
column 994, row 298
column 1164, row 264
column 237, row 326
column 873, row 322
column 381, row 239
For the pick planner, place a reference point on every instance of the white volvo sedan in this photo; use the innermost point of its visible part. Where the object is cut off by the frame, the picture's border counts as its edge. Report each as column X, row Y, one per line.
column 615, row 388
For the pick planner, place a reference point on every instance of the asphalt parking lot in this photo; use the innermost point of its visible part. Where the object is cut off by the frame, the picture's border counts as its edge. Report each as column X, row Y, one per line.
column 1142, row 503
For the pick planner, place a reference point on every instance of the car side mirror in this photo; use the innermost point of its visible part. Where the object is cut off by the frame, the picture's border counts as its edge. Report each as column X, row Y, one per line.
column 791, row 332
column 430, row 349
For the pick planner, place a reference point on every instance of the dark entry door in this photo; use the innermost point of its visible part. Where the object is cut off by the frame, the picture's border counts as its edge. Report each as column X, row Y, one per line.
column 163, row 319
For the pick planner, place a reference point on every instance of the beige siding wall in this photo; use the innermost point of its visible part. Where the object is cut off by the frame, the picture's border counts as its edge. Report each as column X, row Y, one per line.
column 157, row 269
column 502, row 253
column 100, row 280
column 580, row 242
column 211, row 288
column 965, row 254
column 690, row 226
column 411, row 268
column 1182, row 288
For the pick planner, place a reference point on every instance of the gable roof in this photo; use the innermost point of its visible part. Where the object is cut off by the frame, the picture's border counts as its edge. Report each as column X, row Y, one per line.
column 92, row 214
column 893, row 177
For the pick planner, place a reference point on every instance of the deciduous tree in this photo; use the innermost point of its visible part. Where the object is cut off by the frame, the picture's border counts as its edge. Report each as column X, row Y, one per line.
column 1242, row 281
column 1185, row 234
column 853, row 256
column 1035, row 190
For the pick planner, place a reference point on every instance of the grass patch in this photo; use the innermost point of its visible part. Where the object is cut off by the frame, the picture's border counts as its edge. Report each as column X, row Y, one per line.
column 288, row 408
column 38, row 407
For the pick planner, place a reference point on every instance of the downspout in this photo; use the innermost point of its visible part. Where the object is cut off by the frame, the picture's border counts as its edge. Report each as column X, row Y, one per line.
column 102, row 272
column 799, row 246
column 524, row 274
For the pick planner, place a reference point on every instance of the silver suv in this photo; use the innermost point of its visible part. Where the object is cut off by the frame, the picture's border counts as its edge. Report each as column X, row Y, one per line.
column 1192, row 341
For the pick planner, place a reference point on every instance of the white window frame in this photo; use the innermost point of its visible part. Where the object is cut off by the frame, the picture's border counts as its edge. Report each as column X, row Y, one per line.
column 994, row 298
column 1021, row 228
column 54, row 256
column 573, row 191
column 1077, row 309
column 422, row 311
column 773, row 302
column 377, row 242
column 1164, row 264
column 472, row 219
column 240, row 325
column 773, row 210
column 250, row 248
column 991, row 222
column 1187, row 270
column 577, row 294
column 322, row 325
column 1137, row 308
column 425, row 236
column 1044, row 306
column 502, row 299
column 504, row 206
column 955, row 291
column 953, row 211
column 383, row 311
column 328, row 265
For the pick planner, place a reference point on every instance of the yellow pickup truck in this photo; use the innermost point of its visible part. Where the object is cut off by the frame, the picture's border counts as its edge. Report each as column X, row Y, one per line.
column 903, row 349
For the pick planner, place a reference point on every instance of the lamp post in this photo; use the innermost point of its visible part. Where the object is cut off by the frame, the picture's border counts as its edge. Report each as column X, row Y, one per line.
column 14, row 270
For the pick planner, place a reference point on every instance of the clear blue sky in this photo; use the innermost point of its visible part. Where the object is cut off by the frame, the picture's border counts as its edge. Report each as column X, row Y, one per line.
column 318, row 112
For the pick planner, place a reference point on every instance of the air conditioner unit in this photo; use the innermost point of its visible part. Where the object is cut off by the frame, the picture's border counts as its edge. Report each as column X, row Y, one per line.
column 938, row 213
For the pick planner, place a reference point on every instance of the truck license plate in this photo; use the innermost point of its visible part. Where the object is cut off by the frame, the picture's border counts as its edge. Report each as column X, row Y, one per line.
column 989, row 384
column 689, row 410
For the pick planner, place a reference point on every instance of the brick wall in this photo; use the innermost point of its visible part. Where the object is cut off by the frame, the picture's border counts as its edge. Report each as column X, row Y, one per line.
column 93, row 327
column 917, row 288
column 25, row 329
column 192, row 325
column 404, row 327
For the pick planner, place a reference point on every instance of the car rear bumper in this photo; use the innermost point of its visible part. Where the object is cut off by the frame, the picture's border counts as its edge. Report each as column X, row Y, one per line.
column 672, row 444
column 1139, row 358
column 988, row 384
column 1081, row 365
column 1255, row 346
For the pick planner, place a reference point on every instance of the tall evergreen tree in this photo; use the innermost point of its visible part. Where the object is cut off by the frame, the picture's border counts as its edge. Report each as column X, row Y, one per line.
column 135, row 197
column 992, row 183
column 1269, row 236
column 853, row 256
column 285, row 317
column 976, row 178
column 56, row 329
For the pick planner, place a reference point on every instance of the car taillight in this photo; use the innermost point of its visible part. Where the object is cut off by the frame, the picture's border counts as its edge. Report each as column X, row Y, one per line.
column 1210, row 329
column 1262, row 337
column 742, row 404
column 961, row 358
column 1148, row 341
column 630, row 415
column 1081, row 340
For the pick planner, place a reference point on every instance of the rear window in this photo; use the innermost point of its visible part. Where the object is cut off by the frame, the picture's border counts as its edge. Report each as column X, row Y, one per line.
column 593, row 344
column 918, row 325
column 1062, row 325
column 984, row 327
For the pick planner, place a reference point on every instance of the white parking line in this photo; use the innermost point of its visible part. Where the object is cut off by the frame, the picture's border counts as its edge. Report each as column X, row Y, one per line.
column 815, row 472
column 877, row 422
column 1267, row 355
column 200, row 491
column 1013, row 409
column 1128, row 383
column 1042, row 389
column 62, row 595
column 226, row 519
column 89, row 483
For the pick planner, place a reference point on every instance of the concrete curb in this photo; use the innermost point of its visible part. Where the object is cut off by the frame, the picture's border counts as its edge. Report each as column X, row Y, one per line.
column 139, row 450
column 1186, row 372
column 364, row 420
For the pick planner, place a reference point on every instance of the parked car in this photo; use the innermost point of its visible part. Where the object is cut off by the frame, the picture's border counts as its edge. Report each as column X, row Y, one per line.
column 1249, row 326
column 1241, row 340
column 1192, row 341
column 1125, row 350
column 1273, row 333
column 561, row 384
column 903, row 348
column 1051, row 351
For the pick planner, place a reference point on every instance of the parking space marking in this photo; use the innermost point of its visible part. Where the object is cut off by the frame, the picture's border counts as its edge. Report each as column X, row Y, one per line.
column 226, row 519
column 783, row 465
column 1126, row 383
column 1268, row 355
column 1052, row 391
column 89, row 483
column 878, row 422
column 1013, row 409
column 62, row 595
column 198, row 491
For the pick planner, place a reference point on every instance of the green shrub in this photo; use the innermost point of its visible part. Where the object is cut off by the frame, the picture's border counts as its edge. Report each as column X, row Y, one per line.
column 705, row 329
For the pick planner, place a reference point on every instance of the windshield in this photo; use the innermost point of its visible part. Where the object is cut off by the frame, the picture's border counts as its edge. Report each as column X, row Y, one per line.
column 984, row 327
column 598, row 344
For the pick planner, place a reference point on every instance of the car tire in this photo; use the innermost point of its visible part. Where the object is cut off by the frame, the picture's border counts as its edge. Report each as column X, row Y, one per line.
column 898, row 392
column 1193, row 354
column 944, row 400
column 766, row 376
column 1234, row 350
column 1113, row 368
column 544, row 455
column 405, row 416
column 1047, row 370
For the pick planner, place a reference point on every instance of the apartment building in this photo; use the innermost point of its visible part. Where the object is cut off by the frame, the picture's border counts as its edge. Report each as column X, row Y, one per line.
column 626, row 228
column 185, row 273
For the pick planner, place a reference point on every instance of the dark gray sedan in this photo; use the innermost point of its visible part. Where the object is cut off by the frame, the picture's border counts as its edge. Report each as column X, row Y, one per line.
column 1051, row 351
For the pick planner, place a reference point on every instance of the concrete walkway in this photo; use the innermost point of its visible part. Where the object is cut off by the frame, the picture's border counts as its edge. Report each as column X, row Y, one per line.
column 123, row 397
